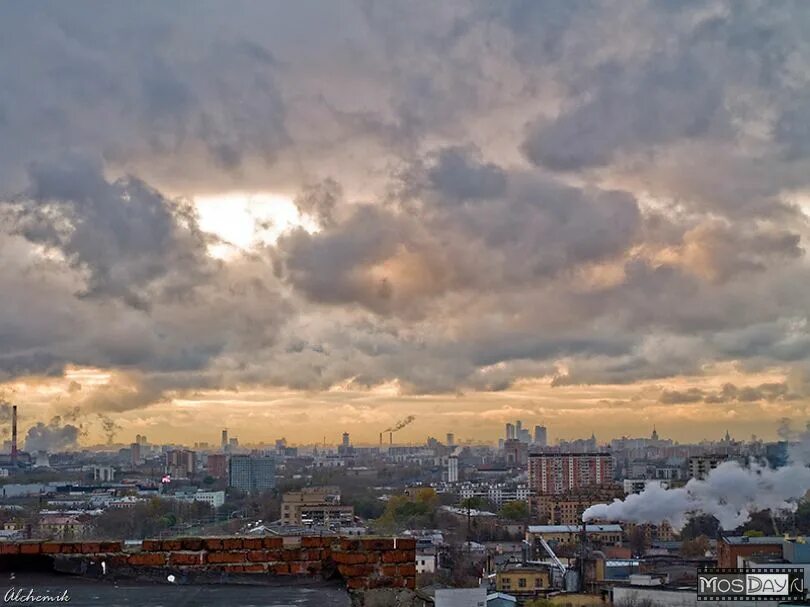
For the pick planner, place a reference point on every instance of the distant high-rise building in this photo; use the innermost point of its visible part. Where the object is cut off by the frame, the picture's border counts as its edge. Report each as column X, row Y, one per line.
column 135, row 454
column 252, row 474
column 700, row 466
column 217, row 465
column 451, row 439
column 540, row 436
column 557, row 473
column 180, row 463
column 510, row 431
column 233, row 443
column 346, row 440
column 518, row 428
column 224, row 443
column 452, row 469
column 516, row 453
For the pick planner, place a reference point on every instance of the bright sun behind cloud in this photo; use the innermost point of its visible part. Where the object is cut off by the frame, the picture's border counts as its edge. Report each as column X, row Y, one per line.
column 244, row 219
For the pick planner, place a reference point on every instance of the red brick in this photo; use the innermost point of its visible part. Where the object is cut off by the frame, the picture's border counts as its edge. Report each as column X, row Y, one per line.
column 147, row 559
column 151, row 545
column 169, row 545
column 315, row 541
column 255, row 568
column 314, row 567
column 279, row 568
column 349, row 558
column 260, row 556
column 407, row 569
column 398, row 556
column 406, row 543
column 389, row 570
column 226, row 557
column 377, row 543
column 192, row 543
column 273, row 542
column 252, row 543
column 293, row 554
column 349, row 571
column 186, row 558
column 51, row 548
column 30, row 548
column 298, row 567
column 357, row 583
column 91, row 548
column 71, row 548
column 111, row 546
column 118, row 560
column 232, row 543
column 347, row 543
column 212, row 543
column 374, row 557
column 410, row 582
column 234, row 568
column 9, row 548
column 310, row 555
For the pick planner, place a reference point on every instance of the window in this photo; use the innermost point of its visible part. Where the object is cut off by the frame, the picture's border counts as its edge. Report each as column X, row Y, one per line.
column 522, row 582
column 538, row 583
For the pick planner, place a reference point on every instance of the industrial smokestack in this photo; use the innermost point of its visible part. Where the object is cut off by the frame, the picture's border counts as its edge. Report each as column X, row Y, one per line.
column 14, row 435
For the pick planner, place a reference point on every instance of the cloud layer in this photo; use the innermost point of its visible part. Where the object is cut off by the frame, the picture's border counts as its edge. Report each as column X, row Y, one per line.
column 501, row 192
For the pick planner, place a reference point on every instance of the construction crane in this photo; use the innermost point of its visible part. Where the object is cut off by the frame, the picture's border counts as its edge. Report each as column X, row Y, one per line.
column 396, row 427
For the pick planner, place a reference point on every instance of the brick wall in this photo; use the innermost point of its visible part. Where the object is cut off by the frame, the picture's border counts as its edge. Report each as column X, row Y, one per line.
column 363, row 563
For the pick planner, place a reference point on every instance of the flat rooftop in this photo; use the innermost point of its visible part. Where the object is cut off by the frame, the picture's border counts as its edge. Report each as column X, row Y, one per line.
column 574, row 528
column 90, row 593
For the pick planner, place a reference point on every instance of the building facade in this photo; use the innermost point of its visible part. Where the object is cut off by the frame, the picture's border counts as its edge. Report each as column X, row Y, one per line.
column 252, row 474
column 315, row 506
column 180, row 463
column 567, row 508
column 556, row 473
column 217, row 465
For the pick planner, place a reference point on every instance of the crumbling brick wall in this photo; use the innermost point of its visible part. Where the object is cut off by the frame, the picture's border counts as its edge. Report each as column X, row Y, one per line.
column 363, row 563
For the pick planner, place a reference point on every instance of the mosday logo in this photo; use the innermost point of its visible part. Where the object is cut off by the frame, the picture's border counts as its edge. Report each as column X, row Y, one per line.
column 765, row 584
column 761, row 584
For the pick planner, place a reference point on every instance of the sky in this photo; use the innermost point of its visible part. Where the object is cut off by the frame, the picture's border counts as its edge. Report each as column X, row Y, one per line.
column 302, row 218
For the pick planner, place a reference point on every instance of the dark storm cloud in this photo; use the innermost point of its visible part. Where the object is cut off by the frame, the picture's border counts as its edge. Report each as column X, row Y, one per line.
column 125, row 234
column 770, row 392
column 589, row 191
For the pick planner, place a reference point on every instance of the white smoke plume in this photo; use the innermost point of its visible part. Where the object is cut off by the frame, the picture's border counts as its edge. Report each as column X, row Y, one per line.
column 731, row 493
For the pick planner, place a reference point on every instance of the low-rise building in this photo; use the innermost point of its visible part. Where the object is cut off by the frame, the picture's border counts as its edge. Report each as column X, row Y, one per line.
column 570, row 534
column 315, row 506
column 215, row 499
column 523, row 581
column 461, row 597
column 61, row 526
column 731, row 550
column 426, row 560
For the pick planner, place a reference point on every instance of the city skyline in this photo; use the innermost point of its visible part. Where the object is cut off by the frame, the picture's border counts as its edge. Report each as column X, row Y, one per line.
column 295, row 219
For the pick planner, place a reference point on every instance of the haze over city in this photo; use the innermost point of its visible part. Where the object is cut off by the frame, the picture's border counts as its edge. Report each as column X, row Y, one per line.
column 303, row 218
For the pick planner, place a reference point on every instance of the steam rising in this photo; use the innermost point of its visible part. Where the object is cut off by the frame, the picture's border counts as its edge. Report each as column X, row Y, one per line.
column 52, row 437
column 731, row 493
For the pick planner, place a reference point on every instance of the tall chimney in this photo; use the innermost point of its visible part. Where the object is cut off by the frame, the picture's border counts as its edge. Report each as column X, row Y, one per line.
column 14, row 435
